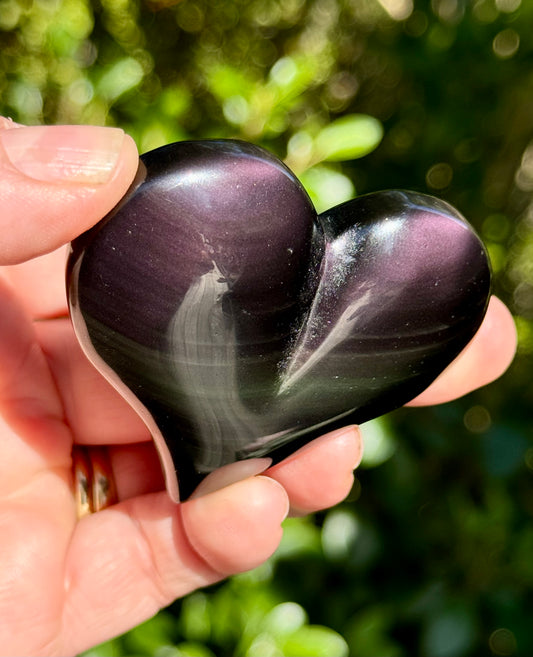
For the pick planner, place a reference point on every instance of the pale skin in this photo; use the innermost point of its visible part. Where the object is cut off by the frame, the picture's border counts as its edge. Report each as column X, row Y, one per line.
column 66, row 585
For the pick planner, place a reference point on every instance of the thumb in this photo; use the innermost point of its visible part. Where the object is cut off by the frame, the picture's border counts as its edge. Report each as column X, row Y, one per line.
column 56, row 182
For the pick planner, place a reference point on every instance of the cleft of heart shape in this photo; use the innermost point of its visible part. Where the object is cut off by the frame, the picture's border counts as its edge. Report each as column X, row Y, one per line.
column 240, row 324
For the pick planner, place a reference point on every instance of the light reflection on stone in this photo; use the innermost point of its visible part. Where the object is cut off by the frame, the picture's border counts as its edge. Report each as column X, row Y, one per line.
column 241, row 325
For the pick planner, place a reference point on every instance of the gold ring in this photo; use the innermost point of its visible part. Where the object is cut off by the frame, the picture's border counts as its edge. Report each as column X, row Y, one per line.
column 94, row 483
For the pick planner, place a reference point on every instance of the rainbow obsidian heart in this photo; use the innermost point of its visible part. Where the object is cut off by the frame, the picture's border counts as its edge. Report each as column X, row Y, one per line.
column 240, row 324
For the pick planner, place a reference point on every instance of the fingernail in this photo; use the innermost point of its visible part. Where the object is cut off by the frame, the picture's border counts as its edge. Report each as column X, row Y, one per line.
column 350, row 433
column 287, row 503
column 230, row 474
column 78, row 154
column 258, row 492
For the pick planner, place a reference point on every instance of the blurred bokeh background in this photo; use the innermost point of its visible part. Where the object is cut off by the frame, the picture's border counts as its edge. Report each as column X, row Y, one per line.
column 432, row 553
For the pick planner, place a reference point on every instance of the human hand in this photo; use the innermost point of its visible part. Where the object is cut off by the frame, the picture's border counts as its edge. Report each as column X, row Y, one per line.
column 67, row 584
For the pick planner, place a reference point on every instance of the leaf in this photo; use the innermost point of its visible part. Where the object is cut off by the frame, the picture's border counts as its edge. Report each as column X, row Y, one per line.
column 368, row 633
column 195, row 617
column 285, row 618
column 147, row 638
column 315, row 641
column 380, row 443
column 348, row 138
column 292, row 75
column 339, row 533
column 192, row 649
column 300, row 536
column 124, row 75
column 227, row 81
column 327, row 187
column 112, row 648
column 451, row 632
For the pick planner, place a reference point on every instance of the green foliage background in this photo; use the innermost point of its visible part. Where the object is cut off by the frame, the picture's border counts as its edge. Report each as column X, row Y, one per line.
column 432, row 554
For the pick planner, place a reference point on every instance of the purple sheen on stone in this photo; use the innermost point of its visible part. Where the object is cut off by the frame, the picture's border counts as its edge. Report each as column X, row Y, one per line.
column 240, row 325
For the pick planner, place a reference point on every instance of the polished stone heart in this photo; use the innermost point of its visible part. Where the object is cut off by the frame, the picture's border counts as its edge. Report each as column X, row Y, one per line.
column 240, row 324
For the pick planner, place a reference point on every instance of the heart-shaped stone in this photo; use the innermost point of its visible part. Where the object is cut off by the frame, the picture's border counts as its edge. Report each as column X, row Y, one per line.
column 239, row 324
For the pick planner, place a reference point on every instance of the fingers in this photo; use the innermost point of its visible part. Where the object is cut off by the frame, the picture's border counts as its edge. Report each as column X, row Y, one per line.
column 486, row 358
column 61, row 180
column 40, row 284
column 27, row 390
column 260, row 501
column 96, row 413
column 320, row 474
column 136, row 470
column 316, row 477
column 144, row 553
column 33, row 434
column 24, row 375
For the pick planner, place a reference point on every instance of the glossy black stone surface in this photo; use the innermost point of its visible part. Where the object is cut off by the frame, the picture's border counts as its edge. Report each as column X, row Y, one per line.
column 240, row 324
